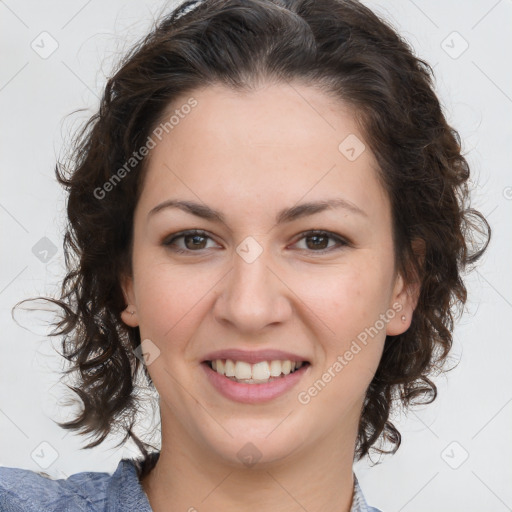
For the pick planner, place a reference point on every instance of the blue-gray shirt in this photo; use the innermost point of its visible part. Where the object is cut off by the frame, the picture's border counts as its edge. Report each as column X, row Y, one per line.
column 22, row 490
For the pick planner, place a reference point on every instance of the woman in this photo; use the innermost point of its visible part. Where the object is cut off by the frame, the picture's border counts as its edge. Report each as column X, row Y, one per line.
column 270, row 218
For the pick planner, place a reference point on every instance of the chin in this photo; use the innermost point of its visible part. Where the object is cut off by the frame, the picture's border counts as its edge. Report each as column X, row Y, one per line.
column 258, row 450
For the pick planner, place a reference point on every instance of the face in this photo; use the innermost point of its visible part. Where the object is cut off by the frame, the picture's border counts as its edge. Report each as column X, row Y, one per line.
column 257, row 279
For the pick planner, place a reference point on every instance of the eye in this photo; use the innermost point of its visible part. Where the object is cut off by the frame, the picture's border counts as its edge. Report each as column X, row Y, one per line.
column 318, row 241
column 194, row 240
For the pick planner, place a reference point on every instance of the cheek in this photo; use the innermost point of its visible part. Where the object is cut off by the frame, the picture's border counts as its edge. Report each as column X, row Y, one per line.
column 170, row 298
column 351, row 335
column 347, row 306
column 347, row 300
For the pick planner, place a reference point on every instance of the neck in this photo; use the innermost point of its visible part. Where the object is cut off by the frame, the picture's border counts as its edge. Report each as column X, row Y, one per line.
column 314, row 478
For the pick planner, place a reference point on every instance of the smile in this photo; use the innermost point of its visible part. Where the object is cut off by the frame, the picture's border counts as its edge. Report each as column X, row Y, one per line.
column 258, row 373
column 254, row 383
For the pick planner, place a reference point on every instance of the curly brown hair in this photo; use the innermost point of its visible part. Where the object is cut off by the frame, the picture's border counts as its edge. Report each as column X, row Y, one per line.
column 347, row 51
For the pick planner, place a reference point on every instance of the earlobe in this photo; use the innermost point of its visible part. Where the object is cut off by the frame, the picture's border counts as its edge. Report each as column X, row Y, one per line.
column 407, row 293
column 129, row 314
column 405, row 299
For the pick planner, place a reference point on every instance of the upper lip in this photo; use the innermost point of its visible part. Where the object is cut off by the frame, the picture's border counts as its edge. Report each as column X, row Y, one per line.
column 254, row 356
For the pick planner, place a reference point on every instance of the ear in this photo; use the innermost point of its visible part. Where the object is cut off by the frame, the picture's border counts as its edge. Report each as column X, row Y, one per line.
column 129, row 314
column 405, row 295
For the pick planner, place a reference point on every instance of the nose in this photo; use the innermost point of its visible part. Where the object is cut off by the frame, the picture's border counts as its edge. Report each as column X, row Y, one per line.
column 253, row 295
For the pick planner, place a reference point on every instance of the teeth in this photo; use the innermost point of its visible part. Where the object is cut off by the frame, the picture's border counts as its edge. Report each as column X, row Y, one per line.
column 259, row 372
column 242, row 370
column 229, row 368
column 275, row 368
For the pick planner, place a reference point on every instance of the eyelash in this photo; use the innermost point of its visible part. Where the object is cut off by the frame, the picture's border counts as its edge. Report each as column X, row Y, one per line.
column 314, row 232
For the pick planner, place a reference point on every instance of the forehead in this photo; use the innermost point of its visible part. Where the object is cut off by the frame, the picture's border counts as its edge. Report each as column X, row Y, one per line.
column 274, row 146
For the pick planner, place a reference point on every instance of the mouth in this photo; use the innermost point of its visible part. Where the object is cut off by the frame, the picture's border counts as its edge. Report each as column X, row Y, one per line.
column 256, row 383
column 262, row 372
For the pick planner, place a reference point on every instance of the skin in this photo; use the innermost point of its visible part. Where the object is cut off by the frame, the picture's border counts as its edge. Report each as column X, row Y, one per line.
column 249, row 155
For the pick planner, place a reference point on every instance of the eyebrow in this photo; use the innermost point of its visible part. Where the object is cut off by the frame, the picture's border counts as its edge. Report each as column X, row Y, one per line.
column 285, row 215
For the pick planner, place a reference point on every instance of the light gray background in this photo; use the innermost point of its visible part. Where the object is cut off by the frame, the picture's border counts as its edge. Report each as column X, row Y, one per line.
column 472, row 416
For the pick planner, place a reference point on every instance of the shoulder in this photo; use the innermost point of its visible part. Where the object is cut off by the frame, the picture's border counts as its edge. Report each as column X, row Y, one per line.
column 29, row 491
column 25, row 490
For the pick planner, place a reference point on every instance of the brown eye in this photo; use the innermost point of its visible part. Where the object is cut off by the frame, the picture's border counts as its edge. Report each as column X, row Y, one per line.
column 318, row 241
column 194, row 241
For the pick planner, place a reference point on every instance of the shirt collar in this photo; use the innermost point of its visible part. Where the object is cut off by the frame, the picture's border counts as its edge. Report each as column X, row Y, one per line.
column 124, row 490
column 358, row 502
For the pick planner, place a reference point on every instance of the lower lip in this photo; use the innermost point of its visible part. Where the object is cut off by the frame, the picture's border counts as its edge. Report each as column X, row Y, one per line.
column 253, row 393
